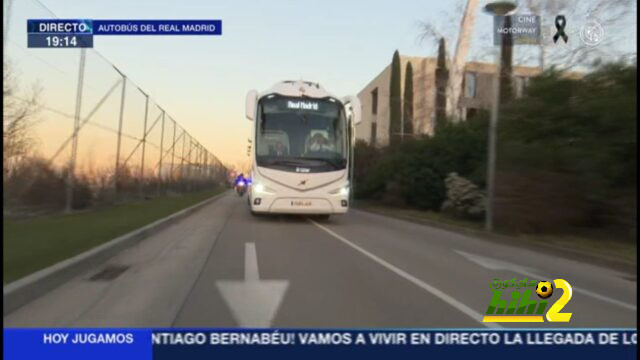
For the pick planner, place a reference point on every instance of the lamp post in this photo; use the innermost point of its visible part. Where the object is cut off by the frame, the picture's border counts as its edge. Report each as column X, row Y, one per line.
column 498, row 8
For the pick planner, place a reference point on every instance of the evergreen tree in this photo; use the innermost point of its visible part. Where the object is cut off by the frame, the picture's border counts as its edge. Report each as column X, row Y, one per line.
column 408, row 100
column 442, row 80
column 395, row 100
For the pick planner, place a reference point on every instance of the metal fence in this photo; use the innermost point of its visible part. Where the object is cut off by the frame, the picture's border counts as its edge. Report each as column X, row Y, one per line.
column 93, row 123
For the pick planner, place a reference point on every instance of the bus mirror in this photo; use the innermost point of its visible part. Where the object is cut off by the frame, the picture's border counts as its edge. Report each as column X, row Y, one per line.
column 250, row 104
column 356, row 109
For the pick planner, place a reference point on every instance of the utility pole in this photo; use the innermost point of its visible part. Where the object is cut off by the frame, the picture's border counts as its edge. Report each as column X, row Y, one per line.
column 144, row 143
column 7, row 22
column 120, row 119
column 161, row 155
column 76, row 129
column 499, row 8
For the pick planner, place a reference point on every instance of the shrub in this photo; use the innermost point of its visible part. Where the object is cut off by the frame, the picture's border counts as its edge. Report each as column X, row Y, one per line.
column 577, row 138
column 34, row 183
column 413, row 172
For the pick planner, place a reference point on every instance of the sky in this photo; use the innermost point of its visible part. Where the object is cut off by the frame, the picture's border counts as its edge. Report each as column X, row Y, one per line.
column 201, row 81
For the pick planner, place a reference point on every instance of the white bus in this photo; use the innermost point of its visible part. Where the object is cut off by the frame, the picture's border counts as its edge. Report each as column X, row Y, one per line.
column 302, row 142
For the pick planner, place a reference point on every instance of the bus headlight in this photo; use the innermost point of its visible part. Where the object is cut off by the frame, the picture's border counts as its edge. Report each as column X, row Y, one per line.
column 342, row 191
column 261, row 189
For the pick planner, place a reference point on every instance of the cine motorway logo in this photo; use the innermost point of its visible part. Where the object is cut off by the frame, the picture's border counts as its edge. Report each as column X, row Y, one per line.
column 521, row 307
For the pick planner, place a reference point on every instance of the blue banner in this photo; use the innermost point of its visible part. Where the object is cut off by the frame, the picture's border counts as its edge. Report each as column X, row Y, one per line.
column 59, row 41
column 59, row 26
column 124, row 27
column 77, row 344
column 157, row 27
column 77, row 33
column 122, row 344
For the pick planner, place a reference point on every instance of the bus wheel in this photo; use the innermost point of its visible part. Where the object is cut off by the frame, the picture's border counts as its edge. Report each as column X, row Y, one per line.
column 323, row 217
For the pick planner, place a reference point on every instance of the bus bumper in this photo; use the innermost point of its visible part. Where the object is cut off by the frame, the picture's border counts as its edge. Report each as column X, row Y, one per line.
column 264, row 203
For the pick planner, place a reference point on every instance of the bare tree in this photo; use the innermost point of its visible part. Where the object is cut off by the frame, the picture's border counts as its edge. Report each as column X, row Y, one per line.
column 465, row 13
column 18, row 118
column 616, row 18
column 432, row 32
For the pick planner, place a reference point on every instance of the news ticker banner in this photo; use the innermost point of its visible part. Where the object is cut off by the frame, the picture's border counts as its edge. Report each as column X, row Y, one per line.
column 137, row 343
column 79, row 33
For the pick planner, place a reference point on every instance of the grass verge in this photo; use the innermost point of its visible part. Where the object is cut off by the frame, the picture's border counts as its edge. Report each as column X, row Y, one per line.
column 596, row 247
column 33, row 244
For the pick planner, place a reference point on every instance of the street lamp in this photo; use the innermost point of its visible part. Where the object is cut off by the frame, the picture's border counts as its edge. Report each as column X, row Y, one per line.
column 498, row 8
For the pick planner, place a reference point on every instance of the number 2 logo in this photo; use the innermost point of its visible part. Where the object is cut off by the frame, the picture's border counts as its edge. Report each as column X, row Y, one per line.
column 554, row 314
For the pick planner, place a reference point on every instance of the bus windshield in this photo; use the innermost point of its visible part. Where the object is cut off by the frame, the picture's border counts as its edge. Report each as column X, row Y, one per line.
column 301, row 134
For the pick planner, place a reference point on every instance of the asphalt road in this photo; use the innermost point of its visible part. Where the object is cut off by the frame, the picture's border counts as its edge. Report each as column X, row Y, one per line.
column 222, row 267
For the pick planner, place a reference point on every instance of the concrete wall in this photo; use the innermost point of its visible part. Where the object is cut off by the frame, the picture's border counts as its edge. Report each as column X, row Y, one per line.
column 485, row 73
column 423, row 95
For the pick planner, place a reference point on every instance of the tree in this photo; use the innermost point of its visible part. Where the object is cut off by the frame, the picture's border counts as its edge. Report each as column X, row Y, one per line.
column 570, row 162
column 439, row 31
column 395, row 100
column 18, row 118
column 413, row 173
column 442, row 82
column 408, row 100
column 617, row 18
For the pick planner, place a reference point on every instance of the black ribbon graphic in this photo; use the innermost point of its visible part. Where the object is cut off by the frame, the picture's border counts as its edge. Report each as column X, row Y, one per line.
column 561, row 22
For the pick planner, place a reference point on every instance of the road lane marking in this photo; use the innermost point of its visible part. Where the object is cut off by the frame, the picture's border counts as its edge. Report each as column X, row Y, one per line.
column 253, row 302
column 495, row 264
column 421, row 284
column 251, row 262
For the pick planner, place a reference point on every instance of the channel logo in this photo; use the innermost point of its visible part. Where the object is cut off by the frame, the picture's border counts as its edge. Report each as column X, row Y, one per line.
column 522, row 306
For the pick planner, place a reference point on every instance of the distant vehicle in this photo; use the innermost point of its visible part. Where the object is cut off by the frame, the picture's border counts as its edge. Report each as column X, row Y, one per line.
column 241, row 188
column 241, row 184
column 303, row 146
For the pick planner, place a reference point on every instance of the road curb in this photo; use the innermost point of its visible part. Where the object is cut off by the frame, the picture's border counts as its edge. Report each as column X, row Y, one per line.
column 30, row 287
column 561, row 251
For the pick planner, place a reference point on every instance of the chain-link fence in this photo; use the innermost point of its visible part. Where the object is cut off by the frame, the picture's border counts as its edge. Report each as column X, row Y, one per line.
column 77, row 131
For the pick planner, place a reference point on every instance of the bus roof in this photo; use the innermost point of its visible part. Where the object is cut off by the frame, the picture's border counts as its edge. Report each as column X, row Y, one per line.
column 298, row 88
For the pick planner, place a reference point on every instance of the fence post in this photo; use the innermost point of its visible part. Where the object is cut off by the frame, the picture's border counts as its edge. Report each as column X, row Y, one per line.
column 144, row 143
column 211, row 169
column 76, row 124
column 161, row 154
column 184, row 140
column 205, row 165
column 117, row 170
column 189, row 166
column 194, row 175
column 199, row 164
column 173, row 153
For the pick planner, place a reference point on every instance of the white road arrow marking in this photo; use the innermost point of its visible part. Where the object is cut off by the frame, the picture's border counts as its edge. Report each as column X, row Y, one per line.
column 253, row 302
column 496, row 264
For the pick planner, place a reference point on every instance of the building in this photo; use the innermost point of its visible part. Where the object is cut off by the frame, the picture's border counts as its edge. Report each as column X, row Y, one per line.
column 476, row 95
